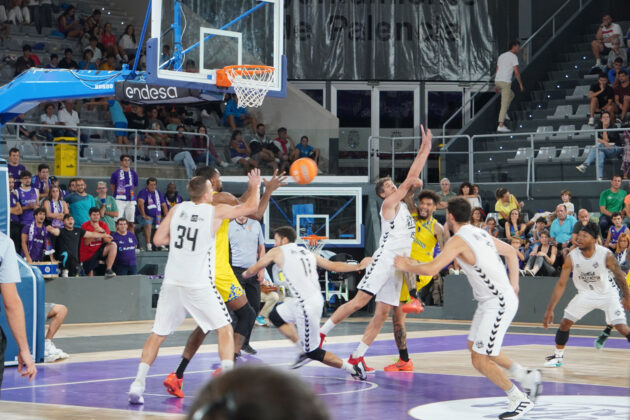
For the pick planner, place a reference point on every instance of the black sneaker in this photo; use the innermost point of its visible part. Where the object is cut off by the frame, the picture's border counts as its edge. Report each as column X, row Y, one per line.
column 359, row 372
column 109, row 273
column 248, row 349
column 301, row 360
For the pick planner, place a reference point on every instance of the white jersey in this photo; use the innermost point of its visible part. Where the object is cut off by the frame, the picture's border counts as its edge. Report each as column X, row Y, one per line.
column 488, row 277
column 591, row 274
column 299, row 271
column 397, row 234
column 191, row 257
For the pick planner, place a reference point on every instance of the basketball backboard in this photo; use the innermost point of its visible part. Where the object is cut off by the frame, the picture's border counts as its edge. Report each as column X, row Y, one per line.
column 205, row 36
column 334, row 212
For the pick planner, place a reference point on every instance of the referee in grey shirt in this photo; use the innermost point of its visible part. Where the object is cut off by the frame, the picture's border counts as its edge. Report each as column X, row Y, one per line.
column 247, row 245
column 9, row 276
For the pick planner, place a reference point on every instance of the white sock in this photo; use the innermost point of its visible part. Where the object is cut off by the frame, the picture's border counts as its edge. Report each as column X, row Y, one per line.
column 598, row 62
column 347, row 367
column 517, row 371
column 227, row 365
column 360, row 350
column 327, row 327
column 559, row 352
column 143, row 370
column 299, row 347
column 514, row 393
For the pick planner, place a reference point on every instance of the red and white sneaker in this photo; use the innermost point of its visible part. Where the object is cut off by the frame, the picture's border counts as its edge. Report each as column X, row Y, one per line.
column 174, row 385
column 414, row 306
column 361, row 360
column 322, row 337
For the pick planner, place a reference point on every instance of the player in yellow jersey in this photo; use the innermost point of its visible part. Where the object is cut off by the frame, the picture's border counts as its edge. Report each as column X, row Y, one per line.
column 429, row 233
column 225, row 281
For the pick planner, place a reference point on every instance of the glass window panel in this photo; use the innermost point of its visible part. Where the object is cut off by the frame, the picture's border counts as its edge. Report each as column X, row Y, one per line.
column 354, row 108
column 316, row 94
column 441, row 106
column 396, row 109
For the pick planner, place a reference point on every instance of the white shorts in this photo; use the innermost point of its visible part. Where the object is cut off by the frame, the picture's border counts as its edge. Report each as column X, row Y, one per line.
column 126, row 209
column 585, row 302
column 203, row 304
column 306, row 315
column 490, row 323
column 382, row 279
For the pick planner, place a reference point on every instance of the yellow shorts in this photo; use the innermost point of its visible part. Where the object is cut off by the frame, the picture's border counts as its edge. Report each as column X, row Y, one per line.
column 227, row 284
column 421, row 281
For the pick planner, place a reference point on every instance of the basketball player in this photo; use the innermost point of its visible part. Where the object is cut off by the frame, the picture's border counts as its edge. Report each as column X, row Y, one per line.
column 428, row 233
column 589, row 263
column 298, row 268
column 381, row 278
column 226, row 282
column 190, row 231
column 478, row 255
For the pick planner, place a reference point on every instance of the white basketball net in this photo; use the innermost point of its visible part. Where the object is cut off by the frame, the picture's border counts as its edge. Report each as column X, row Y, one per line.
column 314, row 245
column 250, row 83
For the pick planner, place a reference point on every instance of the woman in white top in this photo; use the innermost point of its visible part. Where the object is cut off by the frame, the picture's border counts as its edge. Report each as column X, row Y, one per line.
column 49, row 117
column 466, row 191
column 55, row 207
column 128, row 43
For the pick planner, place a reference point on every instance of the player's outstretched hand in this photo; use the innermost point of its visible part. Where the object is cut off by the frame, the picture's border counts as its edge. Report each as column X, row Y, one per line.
column 548, row 319
column 276, row 181
column 364, row 263
column 402, row 263
column 26, row 367
column 427, row 138
column 254, row 177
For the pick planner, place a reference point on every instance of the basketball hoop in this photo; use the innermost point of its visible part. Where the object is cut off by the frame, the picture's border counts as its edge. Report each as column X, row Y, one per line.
column 250, row 82
column 314, row 243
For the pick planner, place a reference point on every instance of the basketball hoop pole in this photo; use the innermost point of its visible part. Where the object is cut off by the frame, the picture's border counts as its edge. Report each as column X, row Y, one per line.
column 144, row 31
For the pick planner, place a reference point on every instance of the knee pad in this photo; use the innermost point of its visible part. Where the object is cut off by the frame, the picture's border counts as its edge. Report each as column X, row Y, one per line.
column 275, row 318
column 562, row 337
column 317, row 354
column 245, row 320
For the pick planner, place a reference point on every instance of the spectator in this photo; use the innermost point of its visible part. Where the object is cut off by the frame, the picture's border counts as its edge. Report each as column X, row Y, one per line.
column 22, row 131
column 67, row 245
column 534, row 235
column 55, row 314
column 602, row 97
column 240, row 152
column 87, row 63
column 565, row 196
column 138, row 121
column 14, row 166
column 69, row 24
column 562, row 229
column 68, row 117
column 606, row 146
column 506, row 202
column 18, row 14
column 80, row 203
column 201, row 142
column 151, row 209
column 617, row 228
column 127, row 43
column 97, row 54
column 445, row 194
column 466, row 191
column 247, row 245
column 543, row 259
column 93, row 21
column 67, row 62
column 611, row 201
column 180, row 153
column 55, row 207
column 15, row 210
column 517, row 244
column 35, row 238
column 171, row 196
column 109, row 43
column 49, row 117
column 613, row 73
column 107, row 205
column 622, row 94
column 261, row 151
column 53, row 63
column 91, row 250
column 110, row 63
column 491, row 227
column 166, row 56
column 621, row 251
column 583, row 219
column 514, row 227
column 14, row 311
column 25, row 61
column 41, row 181
column 305, row 150
column 125, row 240
column 287, row 148
column 270, row 295
column 507, row 65
column 122, row 185
column 154, row 123
column 235, row 116
column 476, row 218
column 54, row 182
column 117, row 115
column 608, row 35
column 29, row 198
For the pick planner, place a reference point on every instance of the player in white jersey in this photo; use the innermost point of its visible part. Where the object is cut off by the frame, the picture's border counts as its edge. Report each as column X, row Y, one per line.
column 298, row 268
column 478, row 255
column 589, row 263
column 190, row 231
column 381, row 279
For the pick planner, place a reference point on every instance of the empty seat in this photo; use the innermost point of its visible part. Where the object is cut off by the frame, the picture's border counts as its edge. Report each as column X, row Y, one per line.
column 582, row 111
column 565, row 132
column 46, row 151
column 569, row 154
column 523, row 154
column 541, row 132
column 561, row 112
column 98, row 152
column 546, row 154
column 586, row 133
column 27, row 150
column 580, row 92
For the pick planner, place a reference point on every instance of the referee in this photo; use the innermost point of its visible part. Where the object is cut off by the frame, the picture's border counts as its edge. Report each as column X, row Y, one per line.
column 9, row 276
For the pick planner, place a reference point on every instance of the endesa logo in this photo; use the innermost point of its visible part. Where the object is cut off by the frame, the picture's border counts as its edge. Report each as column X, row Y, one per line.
column 149, row 93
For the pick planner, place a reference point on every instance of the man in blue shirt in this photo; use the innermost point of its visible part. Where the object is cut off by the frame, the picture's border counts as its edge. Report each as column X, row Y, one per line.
column 80, row 203
column 307, row 150
column 561, row 229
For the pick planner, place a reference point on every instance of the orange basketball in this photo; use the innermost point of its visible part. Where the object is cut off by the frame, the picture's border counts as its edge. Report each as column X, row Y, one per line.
column 303, row 170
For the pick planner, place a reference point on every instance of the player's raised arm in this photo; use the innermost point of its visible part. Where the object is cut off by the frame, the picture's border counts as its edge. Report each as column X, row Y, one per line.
column 162, row 235
column 223, row 211
column 274, row 255
column 558, row 291
column 511, row 260
column 273, row 184
column 451, row 250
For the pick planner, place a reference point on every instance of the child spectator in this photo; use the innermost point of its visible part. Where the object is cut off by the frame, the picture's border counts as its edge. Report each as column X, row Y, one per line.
column 87, row 63
column 67, row 62
column 54, row 62
column 565, row 196
column 621, row 251
column 491, row 227
column 476, row 218
column 517, row 244
column 615, row 230
column 125, row 263
column 29, row 198
column 26, row 61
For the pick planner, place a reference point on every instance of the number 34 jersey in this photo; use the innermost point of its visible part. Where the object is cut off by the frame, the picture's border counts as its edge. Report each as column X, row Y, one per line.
column 192, row 246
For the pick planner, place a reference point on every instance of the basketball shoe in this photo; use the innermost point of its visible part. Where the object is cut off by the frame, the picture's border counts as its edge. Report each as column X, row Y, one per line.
column 359, row 371
column 414, row 306
column 174, row 385
column 135, row 393
column 301, row 360
column 517, row 408
column 400, row 366
column 599, row 343
column 532, row 384
column 361, row 361
column 553, row 361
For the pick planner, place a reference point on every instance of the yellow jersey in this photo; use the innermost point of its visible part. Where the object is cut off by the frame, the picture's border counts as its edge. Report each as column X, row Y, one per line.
column 424, row 240
column 226, row 282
